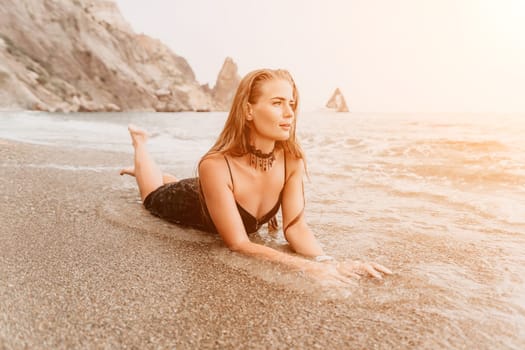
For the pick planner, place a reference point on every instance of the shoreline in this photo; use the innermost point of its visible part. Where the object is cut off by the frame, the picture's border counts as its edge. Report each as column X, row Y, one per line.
column 82, row 266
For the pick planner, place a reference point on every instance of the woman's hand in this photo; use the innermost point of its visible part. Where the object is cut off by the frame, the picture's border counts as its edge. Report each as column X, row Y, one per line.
column 358, row 268
column 346, row 272
column 328, row 274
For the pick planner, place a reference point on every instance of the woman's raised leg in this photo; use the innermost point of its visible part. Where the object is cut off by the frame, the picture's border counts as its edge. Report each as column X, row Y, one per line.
column 147, row 173
column 166, row 178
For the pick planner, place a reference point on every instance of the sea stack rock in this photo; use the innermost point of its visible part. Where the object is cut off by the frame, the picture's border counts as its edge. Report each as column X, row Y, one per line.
column 226, row 85
column 337, row 102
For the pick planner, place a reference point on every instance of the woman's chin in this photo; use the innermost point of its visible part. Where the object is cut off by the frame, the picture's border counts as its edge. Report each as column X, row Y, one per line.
column 283, row 136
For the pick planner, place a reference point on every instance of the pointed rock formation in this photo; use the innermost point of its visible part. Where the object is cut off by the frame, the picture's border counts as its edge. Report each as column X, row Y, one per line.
column 337, row 102
column 226, row 85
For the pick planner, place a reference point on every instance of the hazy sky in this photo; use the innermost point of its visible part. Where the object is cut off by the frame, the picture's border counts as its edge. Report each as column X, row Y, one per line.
column 385, row 55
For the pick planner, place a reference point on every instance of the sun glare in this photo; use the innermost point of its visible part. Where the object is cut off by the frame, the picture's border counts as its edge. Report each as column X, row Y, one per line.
column 504, row 21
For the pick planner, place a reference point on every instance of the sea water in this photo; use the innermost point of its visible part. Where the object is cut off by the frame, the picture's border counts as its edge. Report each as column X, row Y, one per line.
column 439, row 198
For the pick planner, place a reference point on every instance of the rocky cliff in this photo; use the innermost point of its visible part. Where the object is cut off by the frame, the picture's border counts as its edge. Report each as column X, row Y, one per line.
column 82, row 55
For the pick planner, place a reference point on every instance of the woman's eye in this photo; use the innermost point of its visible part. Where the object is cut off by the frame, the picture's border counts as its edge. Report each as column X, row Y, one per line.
column 276, row 103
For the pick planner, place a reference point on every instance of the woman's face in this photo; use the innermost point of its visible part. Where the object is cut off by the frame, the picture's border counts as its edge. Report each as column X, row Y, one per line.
column 272, row 115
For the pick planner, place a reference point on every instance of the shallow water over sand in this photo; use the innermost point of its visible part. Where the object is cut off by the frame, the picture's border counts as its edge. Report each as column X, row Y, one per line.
column 438, row 198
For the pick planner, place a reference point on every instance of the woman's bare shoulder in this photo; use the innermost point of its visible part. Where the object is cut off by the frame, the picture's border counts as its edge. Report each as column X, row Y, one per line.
column 293, row 164
column 213, row 166
column 212, row 160
column 213, row 171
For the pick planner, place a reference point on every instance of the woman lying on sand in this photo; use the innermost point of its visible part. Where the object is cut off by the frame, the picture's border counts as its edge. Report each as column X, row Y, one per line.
column 254, row 168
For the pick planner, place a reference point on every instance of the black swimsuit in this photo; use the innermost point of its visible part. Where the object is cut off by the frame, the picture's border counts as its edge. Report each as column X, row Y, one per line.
column 251, row 223
column 180, row 203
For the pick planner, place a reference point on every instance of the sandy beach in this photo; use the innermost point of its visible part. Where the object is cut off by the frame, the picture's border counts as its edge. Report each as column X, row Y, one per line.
column 75, row 272
column 72, row 279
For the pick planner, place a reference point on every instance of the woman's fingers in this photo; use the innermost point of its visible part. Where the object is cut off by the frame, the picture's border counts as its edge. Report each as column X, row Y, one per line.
column 350, row 274
column 332, row 275
column 345, row 280
column 371, row 271
column 360, row 268
column 341, row 277
column 381, row 268
column 345, row 270
column 346, row 273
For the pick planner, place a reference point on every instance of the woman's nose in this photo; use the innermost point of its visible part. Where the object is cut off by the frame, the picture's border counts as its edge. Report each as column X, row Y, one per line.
column 288, row 111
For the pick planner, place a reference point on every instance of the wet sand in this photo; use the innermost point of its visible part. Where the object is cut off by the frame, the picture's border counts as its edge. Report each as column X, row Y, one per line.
column 75, row 275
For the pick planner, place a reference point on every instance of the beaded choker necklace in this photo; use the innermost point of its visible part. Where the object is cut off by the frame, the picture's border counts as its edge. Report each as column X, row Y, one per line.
column 260, row 160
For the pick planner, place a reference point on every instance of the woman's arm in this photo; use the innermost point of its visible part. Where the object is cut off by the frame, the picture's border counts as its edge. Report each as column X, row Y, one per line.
column 218, row 194
column 296, row 231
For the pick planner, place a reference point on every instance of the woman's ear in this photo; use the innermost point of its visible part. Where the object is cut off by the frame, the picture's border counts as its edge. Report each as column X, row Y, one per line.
column 249, row 115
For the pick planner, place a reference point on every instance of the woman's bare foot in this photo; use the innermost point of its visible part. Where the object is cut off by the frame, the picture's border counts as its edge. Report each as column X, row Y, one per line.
column 138, row 136
column 128, row 171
